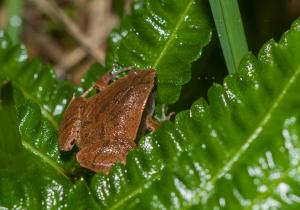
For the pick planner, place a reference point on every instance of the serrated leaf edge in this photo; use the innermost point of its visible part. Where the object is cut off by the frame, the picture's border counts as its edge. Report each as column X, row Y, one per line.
column 132, row 194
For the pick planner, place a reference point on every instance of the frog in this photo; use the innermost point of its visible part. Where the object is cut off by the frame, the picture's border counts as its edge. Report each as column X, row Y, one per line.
column 106, row 126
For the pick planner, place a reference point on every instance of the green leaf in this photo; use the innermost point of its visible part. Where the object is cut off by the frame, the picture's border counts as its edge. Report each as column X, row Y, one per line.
column 42, row 100
column 144, row 166
column 92, row 75
column 13, row 22
column 231, row 33
column 10, row 143
column 37, row 177
column 37, row 185
column 241, row 149
column 165, row 35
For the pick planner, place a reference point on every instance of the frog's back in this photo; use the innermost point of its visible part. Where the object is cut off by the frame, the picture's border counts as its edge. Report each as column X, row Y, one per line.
column 115, row 114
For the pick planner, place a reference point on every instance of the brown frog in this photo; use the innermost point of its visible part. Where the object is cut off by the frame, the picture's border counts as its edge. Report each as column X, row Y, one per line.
column 105, row 126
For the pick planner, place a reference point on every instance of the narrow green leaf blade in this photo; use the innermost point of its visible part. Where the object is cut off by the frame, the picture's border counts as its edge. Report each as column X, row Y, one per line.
column 229, row 25
column 10, row 141
column 13, row 19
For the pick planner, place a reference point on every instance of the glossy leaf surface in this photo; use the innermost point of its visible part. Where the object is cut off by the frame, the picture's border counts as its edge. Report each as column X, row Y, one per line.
column 218, row 153
column 238, row 151
column 241, row 149
column 38, row 177
column 165, row 35
column 42, row 102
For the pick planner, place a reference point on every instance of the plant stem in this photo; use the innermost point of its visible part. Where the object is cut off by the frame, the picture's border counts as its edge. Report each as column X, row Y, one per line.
column 10, row 141
column 14, row 20
column 229, row 25
column 50, row 8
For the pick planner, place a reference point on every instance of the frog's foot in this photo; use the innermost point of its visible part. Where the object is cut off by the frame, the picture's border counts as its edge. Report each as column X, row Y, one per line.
column 151, row 124
column 164, row 116
column 167, row 117
column 101, row 157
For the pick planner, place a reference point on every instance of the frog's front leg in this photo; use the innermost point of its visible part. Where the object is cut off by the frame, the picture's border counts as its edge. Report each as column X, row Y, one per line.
column 104, row 81
column 101, row 157
column 101, row 83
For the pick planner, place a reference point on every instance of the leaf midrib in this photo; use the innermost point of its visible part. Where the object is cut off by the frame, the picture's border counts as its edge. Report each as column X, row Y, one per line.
column 45, row 113
column 229, row 164
column 33, row 149
column 45, row 158
column 173, row 35
column 134, row 193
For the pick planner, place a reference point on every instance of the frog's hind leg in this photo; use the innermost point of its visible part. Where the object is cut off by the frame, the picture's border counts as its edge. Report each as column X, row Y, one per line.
column 101, row 157
column 151, row 124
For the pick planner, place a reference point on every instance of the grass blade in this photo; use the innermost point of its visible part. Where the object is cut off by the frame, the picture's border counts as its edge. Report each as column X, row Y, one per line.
column 14, row 21
column 230, row 31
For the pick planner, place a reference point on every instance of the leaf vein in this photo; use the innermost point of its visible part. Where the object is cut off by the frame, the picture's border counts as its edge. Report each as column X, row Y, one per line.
column 45, row 158
column 133, row 193
column 44, row 112
column 172, row 36
column 228, row 166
